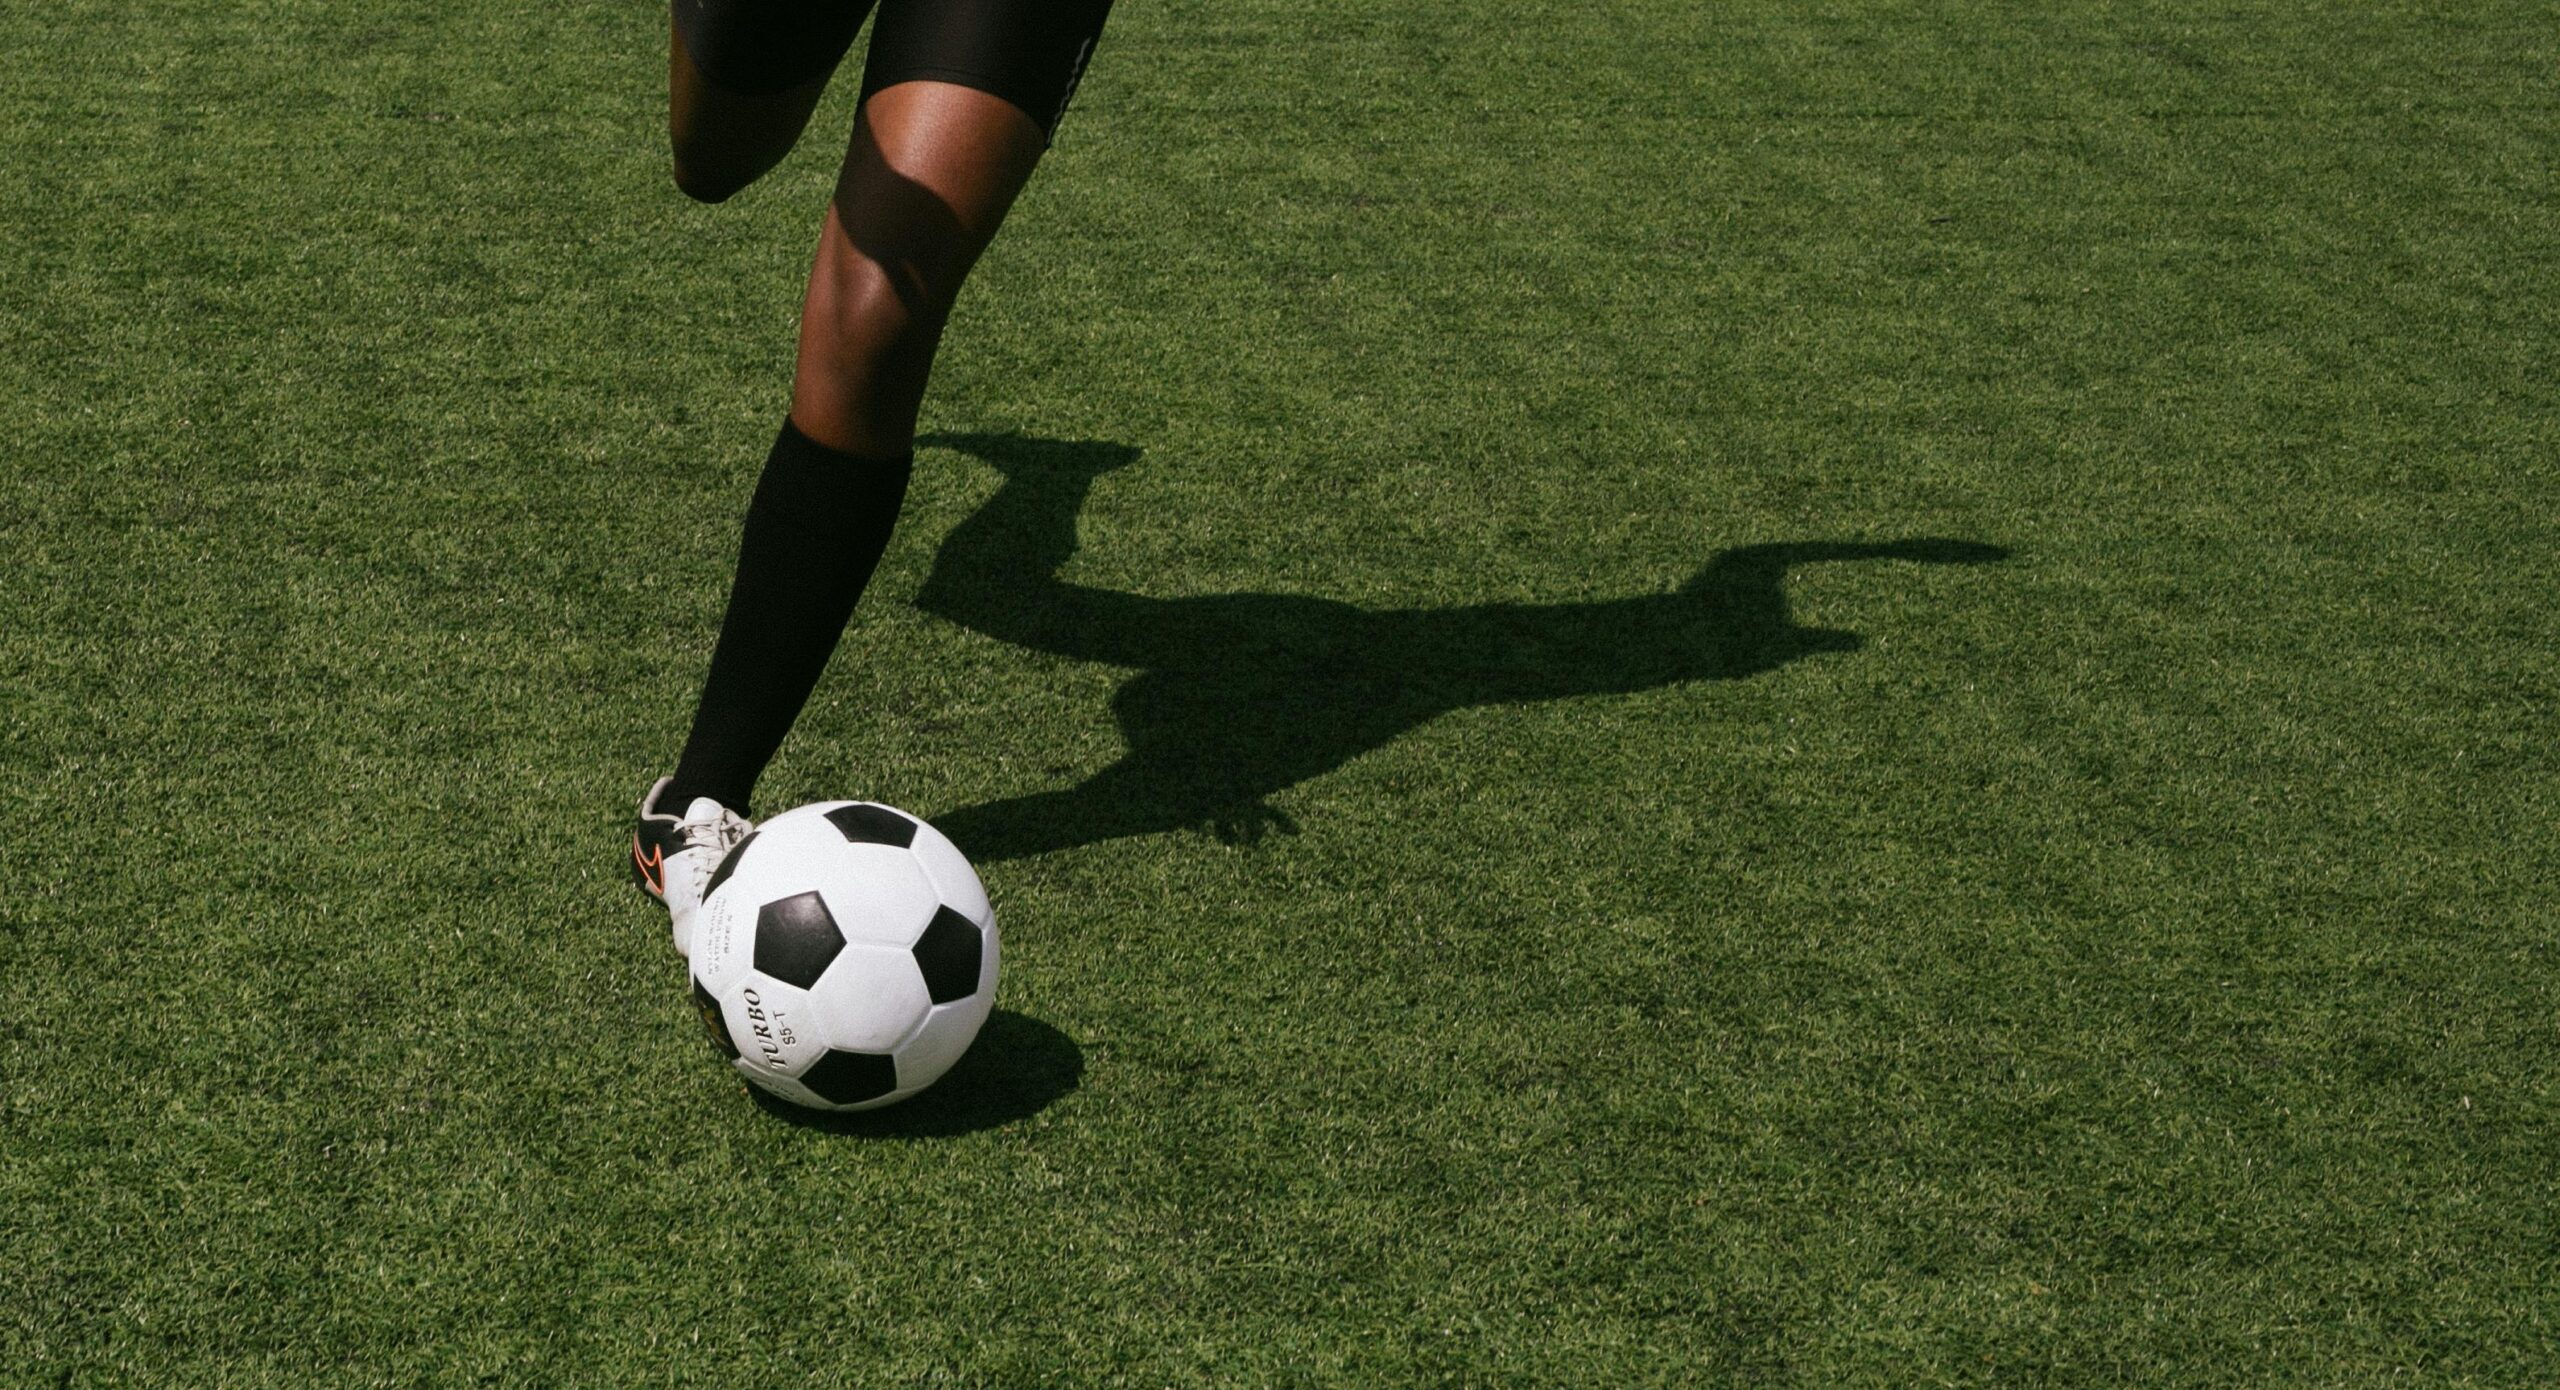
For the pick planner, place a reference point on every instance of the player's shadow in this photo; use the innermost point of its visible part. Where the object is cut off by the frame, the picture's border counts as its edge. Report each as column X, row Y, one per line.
column 1239, row 696
column 1016, row 1069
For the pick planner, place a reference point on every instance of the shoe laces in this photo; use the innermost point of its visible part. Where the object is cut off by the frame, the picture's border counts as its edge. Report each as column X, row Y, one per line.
column 719, row 832
column 688, row 872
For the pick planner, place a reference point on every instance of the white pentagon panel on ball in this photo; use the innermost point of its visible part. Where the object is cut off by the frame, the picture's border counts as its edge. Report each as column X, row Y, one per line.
column 783, row 818
column 808, row 811
column 792, row 840
column 772, row 1026
column 870, row 1000
column 953, row 879
column 946, row 1034
column 879, row 894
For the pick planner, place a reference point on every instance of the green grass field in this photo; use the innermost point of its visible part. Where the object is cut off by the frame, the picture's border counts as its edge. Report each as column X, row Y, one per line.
column 1578, row 865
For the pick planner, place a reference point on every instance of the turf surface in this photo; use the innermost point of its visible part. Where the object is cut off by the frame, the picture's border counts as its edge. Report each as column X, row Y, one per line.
column 1453, row 593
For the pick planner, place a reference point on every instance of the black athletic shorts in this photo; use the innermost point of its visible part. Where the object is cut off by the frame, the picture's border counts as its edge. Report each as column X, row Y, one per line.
column 1030, row 52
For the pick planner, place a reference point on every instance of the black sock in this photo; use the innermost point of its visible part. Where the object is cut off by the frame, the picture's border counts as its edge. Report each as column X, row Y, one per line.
column 814, row 531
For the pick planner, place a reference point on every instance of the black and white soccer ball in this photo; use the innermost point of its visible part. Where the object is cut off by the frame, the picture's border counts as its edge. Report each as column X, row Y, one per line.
column 844, row 955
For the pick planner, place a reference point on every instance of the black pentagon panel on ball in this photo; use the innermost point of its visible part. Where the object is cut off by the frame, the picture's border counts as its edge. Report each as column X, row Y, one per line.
column 728, row 864
column 948, row 954
column 795, row 938
column 850, row 1078
column 873, row 825
column 712, row 1022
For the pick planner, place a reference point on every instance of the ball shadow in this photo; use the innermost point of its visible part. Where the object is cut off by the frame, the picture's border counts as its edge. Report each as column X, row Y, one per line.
column 1017, row 1068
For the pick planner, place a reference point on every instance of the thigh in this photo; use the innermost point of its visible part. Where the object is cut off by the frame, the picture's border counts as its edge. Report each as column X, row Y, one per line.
column 1031, row 53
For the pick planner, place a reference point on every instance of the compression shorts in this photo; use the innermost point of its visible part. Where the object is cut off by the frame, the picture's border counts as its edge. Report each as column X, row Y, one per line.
column 1029, row 52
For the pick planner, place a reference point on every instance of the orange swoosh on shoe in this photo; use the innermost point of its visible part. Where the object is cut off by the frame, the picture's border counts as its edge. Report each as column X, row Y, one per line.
column 651, row 868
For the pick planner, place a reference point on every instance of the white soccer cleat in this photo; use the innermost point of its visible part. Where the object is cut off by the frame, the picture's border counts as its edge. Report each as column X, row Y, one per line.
column 672, row 856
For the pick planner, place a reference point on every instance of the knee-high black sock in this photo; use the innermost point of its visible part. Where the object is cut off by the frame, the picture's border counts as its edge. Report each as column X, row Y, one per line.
column 814, row 531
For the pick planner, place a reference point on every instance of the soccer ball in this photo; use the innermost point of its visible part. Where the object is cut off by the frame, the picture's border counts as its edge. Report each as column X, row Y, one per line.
column 844, row 955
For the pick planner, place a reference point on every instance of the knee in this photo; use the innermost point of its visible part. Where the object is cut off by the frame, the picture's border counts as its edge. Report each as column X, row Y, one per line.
column 874, row 303
column 867, row 339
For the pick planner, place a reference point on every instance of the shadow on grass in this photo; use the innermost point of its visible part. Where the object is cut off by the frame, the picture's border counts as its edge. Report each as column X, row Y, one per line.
column 1240, row 696
column 1016, row 1069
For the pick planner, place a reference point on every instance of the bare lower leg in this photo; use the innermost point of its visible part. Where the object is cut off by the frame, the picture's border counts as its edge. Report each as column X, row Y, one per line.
column 932, row 169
